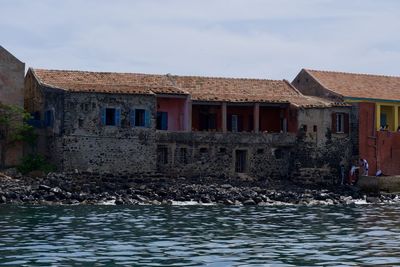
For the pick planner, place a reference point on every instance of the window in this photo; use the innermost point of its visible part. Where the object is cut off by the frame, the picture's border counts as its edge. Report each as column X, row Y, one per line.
column 383, row 120
column 222, row 150
column 162, row 120
column 110, row 116
column 240, row 161
column 208, row 121
column 315, row 128
column 260, row 151
column 278, row 153
column 340, row 123
column 203, row 150
column 48, row 118
column 234, row 123
column 183, row 155
column 35, row 120
column 162, row 155
column 140, row 118
column 304, row 128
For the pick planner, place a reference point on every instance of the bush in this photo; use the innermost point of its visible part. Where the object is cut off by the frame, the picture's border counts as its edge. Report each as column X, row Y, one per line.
column 35, row 162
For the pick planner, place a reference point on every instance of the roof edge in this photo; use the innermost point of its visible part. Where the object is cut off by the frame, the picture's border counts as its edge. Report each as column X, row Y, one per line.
column 322, row 84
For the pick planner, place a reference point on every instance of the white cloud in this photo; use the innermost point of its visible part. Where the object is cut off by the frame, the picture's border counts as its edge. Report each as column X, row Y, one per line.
column 246, row 38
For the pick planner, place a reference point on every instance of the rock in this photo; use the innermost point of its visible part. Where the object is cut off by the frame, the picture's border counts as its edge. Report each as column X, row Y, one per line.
column 228, row 202
column 3, row 199
column 238, row 203
column 44, row 187
column 226, row 186
column 36, row 174
column 119, row 201
column 140, row 198
column 249, row 202
column 372, row 200
column 56, row 190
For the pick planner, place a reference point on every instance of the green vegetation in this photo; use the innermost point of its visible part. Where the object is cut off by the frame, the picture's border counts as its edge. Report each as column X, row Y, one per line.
column 14, row 129
column 35, row 162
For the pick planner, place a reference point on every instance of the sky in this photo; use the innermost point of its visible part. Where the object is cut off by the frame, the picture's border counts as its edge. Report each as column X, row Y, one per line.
column 231, row 38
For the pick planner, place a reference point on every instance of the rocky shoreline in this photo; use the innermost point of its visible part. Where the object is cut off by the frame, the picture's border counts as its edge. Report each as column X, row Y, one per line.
column 95, row 189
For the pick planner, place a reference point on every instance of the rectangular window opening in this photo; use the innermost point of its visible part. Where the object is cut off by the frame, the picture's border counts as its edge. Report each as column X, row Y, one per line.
column 110, row 116
column 162, row 155
column 235, row 123
column 140, row 120
column 339, row 123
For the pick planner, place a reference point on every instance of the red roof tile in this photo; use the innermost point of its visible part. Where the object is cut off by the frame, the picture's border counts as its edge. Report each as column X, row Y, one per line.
column 107, row 82
column 359, row 85
column 200, row 88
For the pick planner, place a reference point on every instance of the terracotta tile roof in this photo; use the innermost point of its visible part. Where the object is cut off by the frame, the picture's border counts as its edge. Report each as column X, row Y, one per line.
column 107, row 82
column 247, row 90
column 359, row 85
column 200, row 88
column 234, row 89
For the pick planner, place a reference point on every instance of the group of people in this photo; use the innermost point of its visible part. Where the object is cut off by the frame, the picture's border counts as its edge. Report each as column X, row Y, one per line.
column 352, row 177
column 386, row 128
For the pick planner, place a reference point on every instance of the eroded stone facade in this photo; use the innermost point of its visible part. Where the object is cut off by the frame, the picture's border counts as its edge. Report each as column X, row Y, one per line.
column 78, row 139
column 12, row 73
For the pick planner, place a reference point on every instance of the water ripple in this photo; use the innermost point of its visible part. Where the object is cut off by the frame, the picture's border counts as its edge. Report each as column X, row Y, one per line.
column 199, row 236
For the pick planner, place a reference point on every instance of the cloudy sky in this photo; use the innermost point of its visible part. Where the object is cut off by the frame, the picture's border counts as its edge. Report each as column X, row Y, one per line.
column 234, row 38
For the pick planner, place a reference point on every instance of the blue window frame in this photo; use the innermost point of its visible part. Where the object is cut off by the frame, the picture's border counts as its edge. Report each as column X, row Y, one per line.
column 111, row 116
column 140, row 118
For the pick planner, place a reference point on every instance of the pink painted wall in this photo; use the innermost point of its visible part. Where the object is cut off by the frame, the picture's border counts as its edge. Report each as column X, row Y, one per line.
column 176, row 112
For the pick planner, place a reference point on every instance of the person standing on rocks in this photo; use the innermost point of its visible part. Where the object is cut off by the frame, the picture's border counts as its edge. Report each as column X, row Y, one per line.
column 364, row 165
column 342, row 173
column 352, row 174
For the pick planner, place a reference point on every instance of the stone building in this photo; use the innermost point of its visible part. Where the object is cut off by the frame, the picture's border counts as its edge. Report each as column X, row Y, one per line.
column 374, row 118
column 145, row 124
column 12, row 72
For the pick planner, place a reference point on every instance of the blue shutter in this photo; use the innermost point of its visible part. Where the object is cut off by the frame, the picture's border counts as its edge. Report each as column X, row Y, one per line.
column 118, row 117
column 132, row 115
column 164, row 120
column 51, row 118
column 46, row 118
column 103, row 116
column 147, row 118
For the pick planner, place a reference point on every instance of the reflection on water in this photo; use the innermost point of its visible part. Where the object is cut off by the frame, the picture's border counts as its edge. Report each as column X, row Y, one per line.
column 199, row 235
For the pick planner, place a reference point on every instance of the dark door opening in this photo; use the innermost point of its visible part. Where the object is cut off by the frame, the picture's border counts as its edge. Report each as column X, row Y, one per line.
column 240, row 161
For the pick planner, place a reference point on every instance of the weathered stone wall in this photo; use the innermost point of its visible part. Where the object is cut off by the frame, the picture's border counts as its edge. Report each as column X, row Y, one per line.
column 86, row 144
column 77, row 139
column 214, row 154
column 318, row 155
column 12, row 73
column 307, row 85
